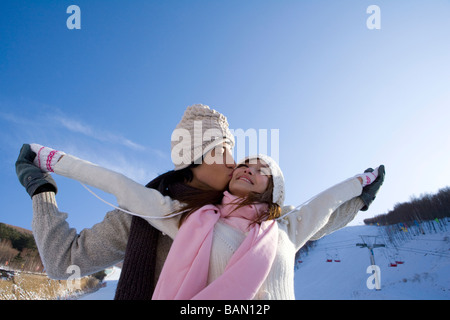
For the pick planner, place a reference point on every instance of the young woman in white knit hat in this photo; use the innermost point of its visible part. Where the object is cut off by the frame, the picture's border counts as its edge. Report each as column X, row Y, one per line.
column 235, row 247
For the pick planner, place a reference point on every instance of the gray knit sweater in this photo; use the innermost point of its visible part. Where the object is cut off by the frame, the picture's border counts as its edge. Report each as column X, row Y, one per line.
column 104, row 244
column 92, row 249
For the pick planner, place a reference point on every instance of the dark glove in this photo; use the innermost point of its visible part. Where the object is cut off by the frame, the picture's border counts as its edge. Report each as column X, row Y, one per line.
column 369, row 192
column 31, row 177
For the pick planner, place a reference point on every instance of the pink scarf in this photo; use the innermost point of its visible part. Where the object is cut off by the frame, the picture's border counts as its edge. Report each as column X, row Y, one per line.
column 185, row 272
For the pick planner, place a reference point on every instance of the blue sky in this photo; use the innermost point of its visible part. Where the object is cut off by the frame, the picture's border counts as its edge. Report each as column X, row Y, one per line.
column 343, row 97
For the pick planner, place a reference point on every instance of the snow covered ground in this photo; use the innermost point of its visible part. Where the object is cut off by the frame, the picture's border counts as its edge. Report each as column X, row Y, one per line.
column 425, row 273
column 109, row 288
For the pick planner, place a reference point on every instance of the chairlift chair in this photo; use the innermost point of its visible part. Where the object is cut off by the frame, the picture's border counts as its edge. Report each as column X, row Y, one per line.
column 336, row 258
column 393, row 265
column 398, row 259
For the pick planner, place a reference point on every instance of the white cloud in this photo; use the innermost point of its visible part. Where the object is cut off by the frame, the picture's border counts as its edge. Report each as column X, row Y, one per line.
column 100, row 135
column 74, row 136
column 12, row 118
column 110, row 155
column 115, row 160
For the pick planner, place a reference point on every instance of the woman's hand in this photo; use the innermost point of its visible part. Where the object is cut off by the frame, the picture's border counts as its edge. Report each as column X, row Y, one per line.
column 30, row 176
column 46, row 157
column 371, row 189
column 368, row 177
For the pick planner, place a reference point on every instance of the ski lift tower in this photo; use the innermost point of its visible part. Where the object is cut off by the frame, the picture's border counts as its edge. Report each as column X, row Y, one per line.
column 370, row 242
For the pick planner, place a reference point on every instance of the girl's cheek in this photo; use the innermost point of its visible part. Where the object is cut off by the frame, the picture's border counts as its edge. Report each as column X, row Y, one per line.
column 236, row 172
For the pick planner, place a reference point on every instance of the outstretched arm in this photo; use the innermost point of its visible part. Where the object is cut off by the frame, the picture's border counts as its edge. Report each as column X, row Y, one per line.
column 60, row 246
column 371, row 181
column 329, row 211
column 130, row 195
column 305, row 221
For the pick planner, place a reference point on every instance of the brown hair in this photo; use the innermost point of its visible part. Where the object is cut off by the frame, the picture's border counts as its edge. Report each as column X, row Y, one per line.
column 195, row 200
column 273, row 210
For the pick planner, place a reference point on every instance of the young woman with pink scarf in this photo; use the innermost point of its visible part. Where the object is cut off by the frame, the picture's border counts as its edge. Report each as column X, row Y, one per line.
column 240, row 247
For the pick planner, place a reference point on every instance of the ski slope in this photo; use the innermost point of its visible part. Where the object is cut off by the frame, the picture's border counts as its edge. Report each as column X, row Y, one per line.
column 424, row 274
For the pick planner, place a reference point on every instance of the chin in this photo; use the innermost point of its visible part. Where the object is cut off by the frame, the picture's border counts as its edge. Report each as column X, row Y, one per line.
column 240, row 192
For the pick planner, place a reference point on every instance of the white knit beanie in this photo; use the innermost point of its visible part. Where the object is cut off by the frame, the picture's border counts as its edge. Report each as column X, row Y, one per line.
column 277, row 176
column 199, row 131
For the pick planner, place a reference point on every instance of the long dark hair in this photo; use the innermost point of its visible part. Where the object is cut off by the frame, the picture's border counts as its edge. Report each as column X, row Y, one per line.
column 273, row 210
column 194, row 199
column 174, row 184
column 166, row 182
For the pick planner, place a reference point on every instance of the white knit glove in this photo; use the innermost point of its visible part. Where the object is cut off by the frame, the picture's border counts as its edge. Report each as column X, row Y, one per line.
column 368, row 177
column 46, row 158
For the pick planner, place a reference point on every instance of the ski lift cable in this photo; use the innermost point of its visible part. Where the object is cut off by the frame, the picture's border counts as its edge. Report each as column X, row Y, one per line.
column 428, row 239
column 352, row 245
column 339, row 243
column 335, row 248
column 349, row 245
column 333, row 242
column 431, row 253
column 425, row 252
column 417, row 250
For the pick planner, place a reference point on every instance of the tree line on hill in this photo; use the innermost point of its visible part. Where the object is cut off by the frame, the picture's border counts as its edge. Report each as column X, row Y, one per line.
column 18, row 249
column 423, row 208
